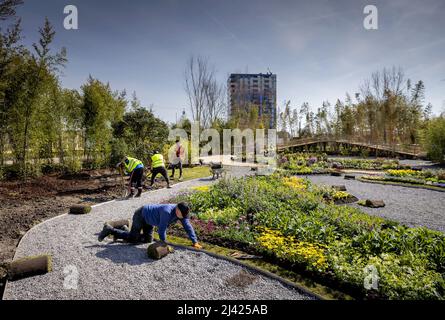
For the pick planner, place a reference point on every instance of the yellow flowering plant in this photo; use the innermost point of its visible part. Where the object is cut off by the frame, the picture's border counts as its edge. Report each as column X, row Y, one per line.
column 292, row 250
column 340, row 195
column 295, row 183
column 401, row 173
column 202, row 189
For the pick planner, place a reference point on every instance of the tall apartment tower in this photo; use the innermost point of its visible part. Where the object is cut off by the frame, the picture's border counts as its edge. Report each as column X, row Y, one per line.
column 247, row 91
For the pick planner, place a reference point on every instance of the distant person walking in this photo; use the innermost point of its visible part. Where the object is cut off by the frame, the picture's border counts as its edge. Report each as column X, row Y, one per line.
column 177, row 161
column 158, row 167
column 135, row 168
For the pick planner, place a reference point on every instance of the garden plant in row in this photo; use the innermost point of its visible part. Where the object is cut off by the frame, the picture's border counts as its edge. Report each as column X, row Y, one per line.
column 307, row 163
column 296, row 224
column 435, row 178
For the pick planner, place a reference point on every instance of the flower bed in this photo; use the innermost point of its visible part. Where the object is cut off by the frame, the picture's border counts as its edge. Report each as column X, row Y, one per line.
column 366, row 164
column 289, row 221
column 427, row 178
column 306, row 164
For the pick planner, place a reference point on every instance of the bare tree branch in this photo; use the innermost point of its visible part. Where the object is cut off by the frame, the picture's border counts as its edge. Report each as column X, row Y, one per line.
column 206, row 97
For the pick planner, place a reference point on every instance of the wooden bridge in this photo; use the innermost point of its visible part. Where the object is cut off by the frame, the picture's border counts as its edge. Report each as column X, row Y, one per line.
column 334, row 143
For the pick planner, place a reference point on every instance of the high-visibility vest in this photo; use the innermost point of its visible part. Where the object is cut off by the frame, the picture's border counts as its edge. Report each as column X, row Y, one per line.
column 132, row 164
column 157, row 161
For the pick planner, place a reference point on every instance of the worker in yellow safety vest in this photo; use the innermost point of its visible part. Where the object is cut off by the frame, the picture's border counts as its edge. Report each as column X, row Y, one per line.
column 134, row 168
column 158, row 166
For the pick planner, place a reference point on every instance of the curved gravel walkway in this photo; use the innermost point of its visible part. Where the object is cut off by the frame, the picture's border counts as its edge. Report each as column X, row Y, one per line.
column 122, row 271
column 411, row 206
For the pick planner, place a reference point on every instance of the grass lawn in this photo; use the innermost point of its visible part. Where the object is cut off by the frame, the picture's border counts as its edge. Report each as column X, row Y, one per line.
column 193, row 173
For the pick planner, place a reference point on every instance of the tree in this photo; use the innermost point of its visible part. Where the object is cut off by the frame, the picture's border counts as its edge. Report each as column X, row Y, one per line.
column 387, row 110
column 197, row 77
column 101, row 108
column 305, row 111
column 27, row 76
column 10, row 50
column 295, row 123
column 140, row 132
column 434, row 139
column 71, row 104
column 337, row 122
column 215, row 102
column 40, row 121
column 42, row 64
column 284, row 117
column 206, row 97
column 8, row 8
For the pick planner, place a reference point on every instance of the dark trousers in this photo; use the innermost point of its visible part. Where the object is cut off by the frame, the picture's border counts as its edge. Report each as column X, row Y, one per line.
column 134, row 235
column 136, row 178
column 178, row 165
column 159, row 170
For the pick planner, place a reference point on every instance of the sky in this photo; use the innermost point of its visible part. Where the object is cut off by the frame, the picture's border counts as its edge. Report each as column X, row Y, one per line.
column 319, row 49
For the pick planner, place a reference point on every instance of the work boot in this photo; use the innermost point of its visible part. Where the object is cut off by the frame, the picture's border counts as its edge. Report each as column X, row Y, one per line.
column 131, row 195
column 106, row 231
column 146, row 239
column 139, row 193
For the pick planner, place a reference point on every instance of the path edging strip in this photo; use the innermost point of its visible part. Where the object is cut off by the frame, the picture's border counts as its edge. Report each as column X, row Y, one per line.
column 252, row 268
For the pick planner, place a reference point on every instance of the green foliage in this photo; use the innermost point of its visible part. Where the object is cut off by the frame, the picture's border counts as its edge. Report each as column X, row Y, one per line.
column 40, row 121
column 119, row 149
column 101, row 108
column 391, row 116
column 405, row 276
column 140, row 132
column 221, row 216
column 366, row 164
column 308, row 163
column 339, row 241
column 240, row 233
column 424, row 177
column 434, row 137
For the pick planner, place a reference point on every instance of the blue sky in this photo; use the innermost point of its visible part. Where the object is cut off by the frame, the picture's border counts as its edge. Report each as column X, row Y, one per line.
column 318, row 49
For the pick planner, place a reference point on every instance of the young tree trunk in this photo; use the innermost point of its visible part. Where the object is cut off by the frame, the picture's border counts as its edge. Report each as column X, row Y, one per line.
column 61, row 151
column 25, row 144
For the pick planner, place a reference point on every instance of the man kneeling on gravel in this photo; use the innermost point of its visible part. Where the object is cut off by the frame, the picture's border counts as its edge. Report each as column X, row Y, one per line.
column 150, row 216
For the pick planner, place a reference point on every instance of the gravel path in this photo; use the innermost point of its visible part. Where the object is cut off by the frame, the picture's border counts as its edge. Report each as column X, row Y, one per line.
column 122, row 271
column 412, row 207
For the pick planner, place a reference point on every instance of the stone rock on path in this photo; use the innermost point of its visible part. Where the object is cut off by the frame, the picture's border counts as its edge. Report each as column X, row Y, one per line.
column 375, row 203
column 339, row 188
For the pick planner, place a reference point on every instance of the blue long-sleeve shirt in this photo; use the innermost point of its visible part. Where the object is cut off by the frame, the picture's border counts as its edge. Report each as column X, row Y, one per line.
column 162, row 215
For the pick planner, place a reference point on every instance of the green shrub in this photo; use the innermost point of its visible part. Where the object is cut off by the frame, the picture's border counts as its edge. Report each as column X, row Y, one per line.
column 404, row 276
column 119, row 150
column 221, row 216
column 73, row 165
column 434, row 138
column 16, row 171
